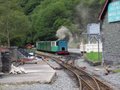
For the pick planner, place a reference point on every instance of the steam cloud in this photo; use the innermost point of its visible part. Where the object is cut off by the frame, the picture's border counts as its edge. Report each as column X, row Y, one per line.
column 64, row 34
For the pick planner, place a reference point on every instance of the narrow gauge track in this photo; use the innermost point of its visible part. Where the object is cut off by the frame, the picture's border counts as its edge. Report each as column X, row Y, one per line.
column 86, row 81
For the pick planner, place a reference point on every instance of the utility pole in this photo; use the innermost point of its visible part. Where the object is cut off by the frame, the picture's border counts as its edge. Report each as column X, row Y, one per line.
column 98, row 47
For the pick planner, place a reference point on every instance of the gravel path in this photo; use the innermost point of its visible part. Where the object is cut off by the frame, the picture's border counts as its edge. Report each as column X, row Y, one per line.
column 62, row 82
column 113, row 79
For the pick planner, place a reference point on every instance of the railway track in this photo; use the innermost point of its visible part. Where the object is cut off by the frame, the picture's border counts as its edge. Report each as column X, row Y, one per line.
column 86, row 81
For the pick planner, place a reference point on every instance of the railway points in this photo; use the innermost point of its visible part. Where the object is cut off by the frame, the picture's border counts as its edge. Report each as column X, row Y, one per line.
column 84, row 78
column 33, row 69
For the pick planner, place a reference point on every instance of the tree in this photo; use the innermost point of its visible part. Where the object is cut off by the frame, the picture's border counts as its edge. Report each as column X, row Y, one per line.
column 29, row 5
column 25, row 21
column 14, row 23
column 50, row 15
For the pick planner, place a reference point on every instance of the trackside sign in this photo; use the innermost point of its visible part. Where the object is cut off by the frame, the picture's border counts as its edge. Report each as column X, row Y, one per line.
column 114, row 11
column 93, row 29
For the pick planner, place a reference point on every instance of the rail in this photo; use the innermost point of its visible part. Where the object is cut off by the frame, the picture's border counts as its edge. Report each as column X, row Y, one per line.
column 86, row 81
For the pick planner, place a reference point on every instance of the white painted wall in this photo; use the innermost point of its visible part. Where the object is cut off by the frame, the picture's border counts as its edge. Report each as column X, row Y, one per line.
column 91, row 47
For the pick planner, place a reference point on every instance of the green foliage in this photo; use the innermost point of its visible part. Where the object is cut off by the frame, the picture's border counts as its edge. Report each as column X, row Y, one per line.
column 25, row 21
column 13, row 22
column 50, row 15
column 92, row 2
column 116, row 71
column 87, row 12
column 29, row 5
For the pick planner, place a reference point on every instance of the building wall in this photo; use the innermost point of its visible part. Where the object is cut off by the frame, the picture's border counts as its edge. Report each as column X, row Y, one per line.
column 0, row 63
column 111, row 41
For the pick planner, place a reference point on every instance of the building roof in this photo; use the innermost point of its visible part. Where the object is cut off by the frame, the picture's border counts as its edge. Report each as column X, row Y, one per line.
column 103, row 10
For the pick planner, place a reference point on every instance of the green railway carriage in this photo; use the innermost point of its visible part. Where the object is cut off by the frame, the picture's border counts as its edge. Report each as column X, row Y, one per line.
column 59, row 46
column 49, row 46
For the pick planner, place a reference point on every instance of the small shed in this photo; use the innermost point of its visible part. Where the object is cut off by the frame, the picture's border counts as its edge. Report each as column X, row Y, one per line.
column 109, row 18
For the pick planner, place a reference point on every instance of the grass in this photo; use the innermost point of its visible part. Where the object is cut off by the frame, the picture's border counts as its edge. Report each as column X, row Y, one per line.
column 93, row 56
column 116, row 71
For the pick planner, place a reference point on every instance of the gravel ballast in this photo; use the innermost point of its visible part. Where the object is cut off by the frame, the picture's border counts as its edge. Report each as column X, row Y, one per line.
column 112, row 79
column 63, row 80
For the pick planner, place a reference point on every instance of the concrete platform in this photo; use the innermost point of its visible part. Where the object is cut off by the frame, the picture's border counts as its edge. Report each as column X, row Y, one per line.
column 74, row 50
column 37, row 73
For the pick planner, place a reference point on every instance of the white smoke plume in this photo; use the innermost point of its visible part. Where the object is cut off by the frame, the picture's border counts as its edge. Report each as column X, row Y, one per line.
column 64, row 33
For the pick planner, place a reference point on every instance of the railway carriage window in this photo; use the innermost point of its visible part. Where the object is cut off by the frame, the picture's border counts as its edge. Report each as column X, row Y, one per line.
column 53, row 43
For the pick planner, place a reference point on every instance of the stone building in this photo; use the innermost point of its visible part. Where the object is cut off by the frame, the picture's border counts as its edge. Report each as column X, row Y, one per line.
column 110, row 27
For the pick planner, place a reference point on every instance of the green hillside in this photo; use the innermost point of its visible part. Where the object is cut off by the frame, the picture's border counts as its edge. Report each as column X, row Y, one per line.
column 26, row 21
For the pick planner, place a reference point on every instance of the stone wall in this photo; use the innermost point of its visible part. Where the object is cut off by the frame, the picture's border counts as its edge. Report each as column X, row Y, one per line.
column 0, row 63
column 111, row 41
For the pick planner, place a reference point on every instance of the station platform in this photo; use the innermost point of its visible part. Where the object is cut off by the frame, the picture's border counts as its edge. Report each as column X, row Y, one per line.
column 36, row 73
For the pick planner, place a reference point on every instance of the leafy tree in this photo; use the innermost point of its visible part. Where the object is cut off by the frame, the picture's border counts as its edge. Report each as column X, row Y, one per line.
column 29, row 5
column 50, row 15
column 13, row 24
column 25, row 21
